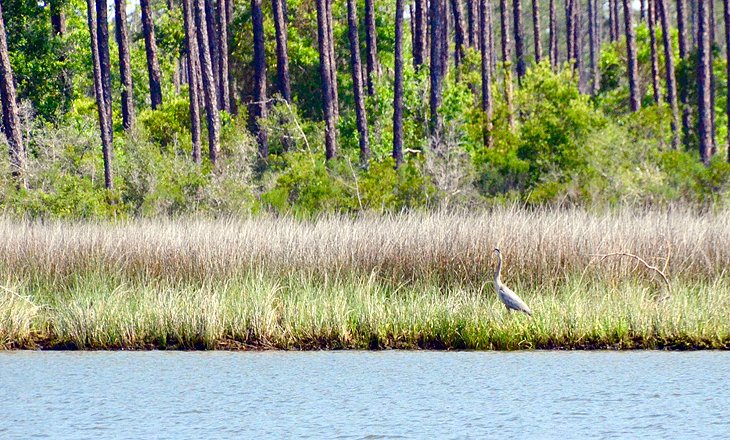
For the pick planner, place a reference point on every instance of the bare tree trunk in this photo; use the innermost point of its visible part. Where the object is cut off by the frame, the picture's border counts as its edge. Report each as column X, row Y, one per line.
column 711, row 32
column 631, row 57
column 125, row 71
column 519, row 39
column 595, row 45
column 486, row 74
column 371, row 44
column 325, row 72
column 232, row 84
column 617, row 16
column 153, row 65
column 569, row 24
column 490, row 35
column 357, row 83
column 444, row 38
column 103, row 110
column 472, row 8
column 704, row 63
column 506, row 61
column 11, row 120
column 419, row 37
column 726, row 13
column 669, row 68
column 282, row 51
column 553, row 36
column 642, row 8
column 436, row 48
column 258, row 107
column 536, row 30
column 211, row 27
column 398, row 86
column 612, row 20
column 208, row 80
column 578, row 43
column 683, row 80
column 58, row 23
column 458, row 33
column 651, row 20
column 193, row 69
column 333, row 61
column 224, row 92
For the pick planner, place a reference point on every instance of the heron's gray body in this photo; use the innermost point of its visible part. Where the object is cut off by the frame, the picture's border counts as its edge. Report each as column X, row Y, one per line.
column 505, row 294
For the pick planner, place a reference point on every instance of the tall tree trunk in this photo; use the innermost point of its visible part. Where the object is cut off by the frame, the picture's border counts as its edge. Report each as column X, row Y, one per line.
column 357, row 83
column 693, row 23
column 651, row 20
column 333, row 61
column 472, row 8
column 103, row 110
column 519, row 39
column 486, row 73
column 458, row 33
column 436, row 48
column 642, row 9
column 569, row 24
column 553, row 36
column 726, row 13
column 58, row 23
column 282, row 51
column 212, row 29
column 704, row 63
column 683, row 72
column 419, row 37
column 617, row 23
column 506, row 61
column 232, row 88
column 536, row 30
column 490, row 35
column 11, row 120
column 193, row 70
column 258, row 107
column 444, row 38
column 595, row 45
column 224, row 92
column 711, row 32
column 631, row 57
column 125, row 71
column 669, row 69
column 612, row 21
column 208, row 79
column 578, row 43
column 102, row 41
column 398, row 86
column 371, row 44
column 153, row 65
column 325, row 72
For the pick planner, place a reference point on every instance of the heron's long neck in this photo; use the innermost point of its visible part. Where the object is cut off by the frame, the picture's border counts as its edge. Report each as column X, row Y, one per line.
column 499, row 269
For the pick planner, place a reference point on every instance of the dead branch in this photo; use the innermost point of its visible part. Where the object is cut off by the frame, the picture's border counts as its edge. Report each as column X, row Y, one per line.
column 644, row 263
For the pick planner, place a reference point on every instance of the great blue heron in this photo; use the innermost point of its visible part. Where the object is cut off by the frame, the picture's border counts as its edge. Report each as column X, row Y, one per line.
column 506, row 295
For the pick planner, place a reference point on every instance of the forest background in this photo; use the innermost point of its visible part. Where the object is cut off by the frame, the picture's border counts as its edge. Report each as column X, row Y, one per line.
column 307, row 107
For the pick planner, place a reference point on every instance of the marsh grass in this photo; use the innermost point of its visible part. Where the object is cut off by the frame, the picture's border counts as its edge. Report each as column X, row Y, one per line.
column 410, row 281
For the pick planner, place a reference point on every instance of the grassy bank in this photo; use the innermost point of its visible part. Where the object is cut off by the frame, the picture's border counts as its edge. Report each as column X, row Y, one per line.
column 403, row 282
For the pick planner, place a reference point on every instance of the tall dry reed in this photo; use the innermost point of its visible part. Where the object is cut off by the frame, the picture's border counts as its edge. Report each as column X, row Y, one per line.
column 542, row 247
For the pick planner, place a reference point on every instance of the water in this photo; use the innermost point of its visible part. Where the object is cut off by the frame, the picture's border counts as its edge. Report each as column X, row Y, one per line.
column 175, row 395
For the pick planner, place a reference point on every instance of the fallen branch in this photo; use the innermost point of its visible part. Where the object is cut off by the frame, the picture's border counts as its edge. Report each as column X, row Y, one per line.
column 645, row 264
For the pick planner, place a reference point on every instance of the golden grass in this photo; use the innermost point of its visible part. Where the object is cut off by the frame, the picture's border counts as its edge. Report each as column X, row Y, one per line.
column 414, row 280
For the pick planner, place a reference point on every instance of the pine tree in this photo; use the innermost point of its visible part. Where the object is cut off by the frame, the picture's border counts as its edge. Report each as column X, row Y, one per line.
column 125, row 70
column 398, row 86
column 357, row 83
column 11, row 120
column 631, row 57
column 258, row 107
column 153, row 64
